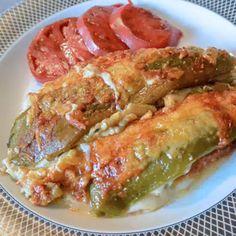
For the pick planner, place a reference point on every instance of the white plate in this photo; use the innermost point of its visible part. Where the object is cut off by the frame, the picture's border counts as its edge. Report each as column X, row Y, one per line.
column 202, row 28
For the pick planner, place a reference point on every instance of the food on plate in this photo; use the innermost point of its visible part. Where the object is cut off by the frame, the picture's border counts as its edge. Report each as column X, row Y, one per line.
column 45, row 57
column 119, row 126
column 96, row 32
column 55, row 49
column 60, row 45
column 74, row 48
column 139, row 28
column 64, row 110
column 154, row 152
column 150, row 153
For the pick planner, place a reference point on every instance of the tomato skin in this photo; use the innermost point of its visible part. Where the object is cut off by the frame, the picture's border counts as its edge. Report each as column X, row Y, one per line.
column 176, row 34
column 45, row 58
column 138, row 28
column 74, row 43
column 95, row 30
column 87, row 38
column 55, row 49
column 62, row 44
column 124, row 33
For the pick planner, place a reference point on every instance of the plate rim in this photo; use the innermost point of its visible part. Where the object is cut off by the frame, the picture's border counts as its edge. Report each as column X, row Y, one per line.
column 77, row 229
column 17, row 204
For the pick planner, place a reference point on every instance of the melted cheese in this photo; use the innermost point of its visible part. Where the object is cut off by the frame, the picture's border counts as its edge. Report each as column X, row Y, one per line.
column 118, row 121
column 108, row 81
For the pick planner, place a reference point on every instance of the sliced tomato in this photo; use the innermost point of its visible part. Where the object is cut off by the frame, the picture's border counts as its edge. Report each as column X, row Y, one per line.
column 176, row 34
column 74, row 47
column 139, row 28
column 95, row 30
column 45, row 57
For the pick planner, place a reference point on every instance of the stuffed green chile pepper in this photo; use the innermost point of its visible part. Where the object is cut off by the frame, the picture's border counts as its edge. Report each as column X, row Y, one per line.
column 155, row 151
column 63, row 111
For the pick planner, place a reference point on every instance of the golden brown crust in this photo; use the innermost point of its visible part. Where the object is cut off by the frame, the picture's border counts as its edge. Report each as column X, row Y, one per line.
column 114, row 159
column 96, row 89
column 127, row 156
column 84, row 97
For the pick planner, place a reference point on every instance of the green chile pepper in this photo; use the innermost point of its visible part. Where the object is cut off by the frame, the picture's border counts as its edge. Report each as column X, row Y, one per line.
column 174, row 161
column 192, row 70
column 22, row 137
column 195, row 70
column 222, row 61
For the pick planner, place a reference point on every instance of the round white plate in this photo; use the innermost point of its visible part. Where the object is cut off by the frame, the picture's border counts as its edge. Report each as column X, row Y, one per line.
column 200, row 27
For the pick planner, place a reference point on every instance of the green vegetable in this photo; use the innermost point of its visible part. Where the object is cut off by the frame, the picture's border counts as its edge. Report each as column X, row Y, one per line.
column 23, row 146
column 174, row 72
column 221, row 63
column 186, row 140
column 194, row 70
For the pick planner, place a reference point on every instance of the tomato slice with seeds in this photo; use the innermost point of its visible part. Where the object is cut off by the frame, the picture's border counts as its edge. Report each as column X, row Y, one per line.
column 45, row 57
column 74, row 47
column 95, row 30
column 139, row 28
column 55, row 49
column 61, row 45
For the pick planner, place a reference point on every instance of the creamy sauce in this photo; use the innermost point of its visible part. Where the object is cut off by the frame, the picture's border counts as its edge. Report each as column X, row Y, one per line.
column 108, row 81
column 69, row 202
column 89, row 71
column 158, row 198
column 119, row 120
column 171, row 192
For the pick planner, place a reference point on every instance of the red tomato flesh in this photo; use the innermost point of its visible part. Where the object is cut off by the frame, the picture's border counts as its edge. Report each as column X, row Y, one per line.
column 45, row 58
column 55, row 49
column 95, row 30
column 74, row 47
column 139, row 28
column 61, row 45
